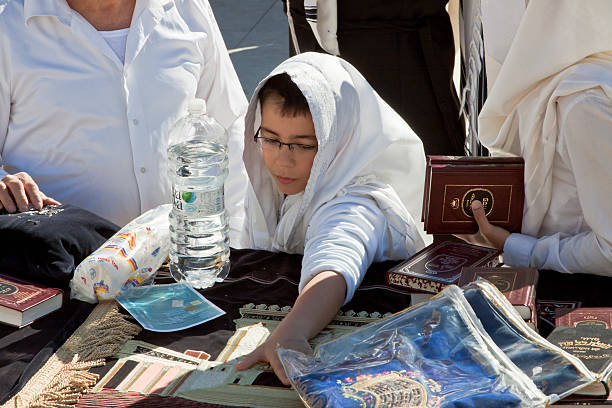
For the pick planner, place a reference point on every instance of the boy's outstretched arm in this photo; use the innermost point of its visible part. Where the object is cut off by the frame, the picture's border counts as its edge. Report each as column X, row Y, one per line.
column 314, row 308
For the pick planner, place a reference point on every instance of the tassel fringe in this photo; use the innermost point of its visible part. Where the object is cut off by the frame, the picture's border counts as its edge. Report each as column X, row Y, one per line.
column 65, row 377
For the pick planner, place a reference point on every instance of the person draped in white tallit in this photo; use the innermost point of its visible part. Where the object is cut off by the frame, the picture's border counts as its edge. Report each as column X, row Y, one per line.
column 335, row 174
column 549, row 71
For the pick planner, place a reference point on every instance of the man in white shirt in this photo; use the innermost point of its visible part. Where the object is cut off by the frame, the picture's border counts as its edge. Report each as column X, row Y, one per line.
column 89, row 90
column 557, row 115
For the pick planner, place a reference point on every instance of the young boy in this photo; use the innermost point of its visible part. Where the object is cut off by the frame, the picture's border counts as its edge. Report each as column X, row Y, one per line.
column 335, row 175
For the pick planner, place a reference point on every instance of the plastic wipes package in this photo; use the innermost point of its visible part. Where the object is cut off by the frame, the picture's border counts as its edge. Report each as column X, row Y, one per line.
column 435, row 354
column 129, row 258
column 168, row 308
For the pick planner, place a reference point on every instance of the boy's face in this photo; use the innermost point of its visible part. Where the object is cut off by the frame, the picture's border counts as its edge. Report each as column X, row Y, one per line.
column 289, row 167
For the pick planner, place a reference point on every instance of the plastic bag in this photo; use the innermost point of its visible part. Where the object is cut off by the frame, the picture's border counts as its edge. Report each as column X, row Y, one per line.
column 435, row 354
column 129, row 258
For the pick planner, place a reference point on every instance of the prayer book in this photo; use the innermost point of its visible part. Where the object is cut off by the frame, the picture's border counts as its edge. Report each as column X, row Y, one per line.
column 516, row 284
column 585, row 317
column 23, row 302
column 592, row 345
column 453, row 182
column 439, row 265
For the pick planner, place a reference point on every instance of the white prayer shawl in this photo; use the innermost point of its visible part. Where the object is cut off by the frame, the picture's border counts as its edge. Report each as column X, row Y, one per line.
column 560, row 47
column 365, row 149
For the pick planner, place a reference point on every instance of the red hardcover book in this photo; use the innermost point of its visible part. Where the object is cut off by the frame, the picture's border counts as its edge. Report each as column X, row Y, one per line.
column 439, row 265
column 23, row 302
column 517, row 285
column 452, row 183
column 585, row 317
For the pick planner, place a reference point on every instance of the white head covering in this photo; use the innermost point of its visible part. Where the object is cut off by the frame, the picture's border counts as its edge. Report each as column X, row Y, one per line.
column 538, row 53
column 365, row 148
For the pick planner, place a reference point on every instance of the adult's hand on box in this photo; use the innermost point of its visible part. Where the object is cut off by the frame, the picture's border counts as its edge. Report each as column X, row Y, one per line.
column 18, row 191
column 488, row 235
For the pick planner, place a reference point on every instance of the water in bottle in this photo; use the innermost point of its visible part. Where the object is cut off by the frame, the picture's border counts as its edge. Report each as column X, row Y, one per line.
column 199, row 231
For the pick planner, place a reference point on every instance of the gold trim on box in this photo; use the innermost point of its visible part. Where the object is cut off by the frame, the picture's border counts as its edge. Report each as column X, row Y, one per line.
column 482, row 187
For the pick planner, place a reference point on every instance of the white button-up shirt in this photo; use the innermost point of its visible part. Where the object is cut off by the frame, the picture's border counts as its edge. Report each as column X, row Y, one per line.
column 576, row 233
column 93, row 131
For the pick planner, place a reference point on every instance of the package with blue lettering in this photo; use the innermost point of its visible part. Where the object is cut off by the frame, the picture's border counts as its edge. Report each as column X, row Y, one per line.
column 129, row 258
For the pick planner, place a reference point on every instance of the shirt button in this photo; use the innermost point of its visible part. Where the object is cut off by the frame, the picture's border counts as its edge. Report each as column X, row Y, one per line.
column 143, row 169
column 135, row 122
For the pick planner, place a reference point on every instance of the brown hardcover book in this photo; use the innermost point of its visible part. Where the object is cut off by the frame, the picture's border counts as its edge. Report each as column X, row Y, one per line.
column 439, row 265
column 452, row 183
column 592, row 345
column 23, row 302
column 585, row 317
column 517, row 285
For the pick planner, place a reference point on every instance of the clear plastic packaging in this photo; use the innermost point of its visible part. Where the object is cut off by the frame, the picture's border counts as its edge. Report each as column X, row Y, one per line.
column 129, row 258
column 435, row 354
column 554, row 371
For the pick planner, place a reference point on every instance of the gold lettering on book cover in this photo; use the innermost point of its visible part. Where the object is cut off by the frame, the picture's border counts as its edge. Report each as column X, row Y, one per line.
column 392, row 390
column 484, row 195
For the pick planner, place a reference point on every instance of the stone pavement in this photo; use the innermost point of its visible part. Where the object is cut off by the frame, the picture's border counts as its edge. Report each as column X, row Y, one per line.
column 256, row 36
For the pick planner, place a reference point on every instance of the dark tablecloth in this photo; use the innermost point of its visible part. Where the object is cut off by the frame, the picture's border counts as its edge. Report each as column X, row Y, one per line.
column 255, row 277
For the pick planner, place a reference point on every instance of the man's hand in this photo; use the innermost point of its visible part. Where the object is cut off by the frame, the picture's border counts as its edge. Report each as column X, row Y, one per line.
column 266, row 352
column 488, row 234
column 19, row 191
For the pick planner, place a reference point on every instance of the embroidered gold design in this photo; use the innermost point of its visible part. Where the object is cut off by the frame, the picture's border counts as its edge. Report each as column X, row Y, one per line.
column 387, row 391
column 484, row 195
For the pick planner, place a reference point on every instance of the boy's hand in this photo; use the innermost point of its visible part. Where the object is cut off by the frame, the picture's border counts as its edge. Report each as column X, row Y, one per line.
column 266, row 352
column 18, row 191
column 488, row 234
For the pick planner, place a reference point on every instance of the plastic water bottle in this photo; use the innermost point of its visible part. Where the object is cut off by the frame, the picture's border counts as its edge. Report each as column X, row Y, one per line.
column 199, row 231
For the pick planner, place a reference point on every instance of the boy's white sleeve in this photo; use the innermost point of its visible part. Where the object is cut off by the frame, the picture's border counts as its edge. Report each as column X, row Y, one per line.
column 344, row 236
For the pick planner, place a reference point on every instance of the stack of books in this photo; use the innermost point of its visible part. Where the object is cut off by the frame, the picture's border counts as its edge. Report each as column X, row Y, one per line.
column 585, row 333
column 516, row 284
column 439, row 265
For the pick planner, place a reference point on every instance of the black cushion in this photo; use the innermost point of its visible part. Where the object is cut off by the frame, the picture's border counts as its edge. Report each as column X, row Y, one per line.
column 46, row 246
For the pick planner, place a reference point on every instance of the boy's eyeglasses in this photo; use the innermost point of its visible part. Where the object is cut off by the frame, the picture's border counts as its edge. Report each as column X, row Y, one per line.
column 274, row 146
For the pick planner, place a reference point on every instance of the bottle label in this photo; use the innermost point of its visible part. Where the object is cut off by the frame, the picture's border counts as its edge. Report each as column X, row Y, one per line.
column 201, row 203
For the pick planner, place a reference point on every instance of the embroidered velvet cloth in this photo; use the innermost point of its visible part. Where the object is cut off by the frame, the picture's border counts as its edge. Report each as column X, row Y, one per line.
column 46, row 246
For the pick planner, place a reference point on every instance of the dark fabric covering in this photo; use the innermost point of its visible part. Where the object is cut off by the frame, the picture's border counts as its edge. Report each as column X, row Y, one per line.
column 112, row 398
column 405, row 50
column 24, row 351
column 255, row 277
column 46, row 246
column 272, row 279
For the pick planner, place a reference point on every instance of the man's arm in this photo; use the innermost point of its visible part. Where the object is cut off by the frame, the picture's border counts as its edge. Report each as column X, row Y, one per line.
column 586, row 132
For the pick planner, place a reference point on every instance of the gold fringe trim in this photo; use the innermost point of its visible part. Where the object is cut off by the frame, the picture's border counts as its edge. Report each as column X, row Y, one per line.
column 65, row 377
